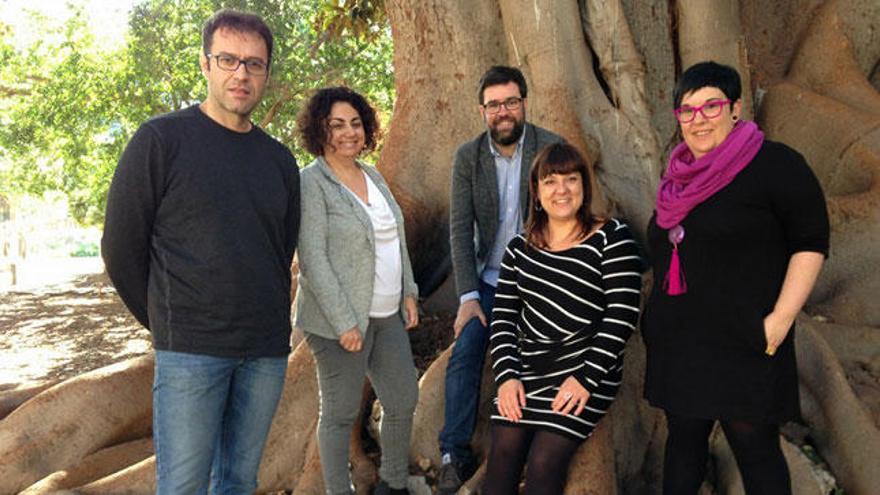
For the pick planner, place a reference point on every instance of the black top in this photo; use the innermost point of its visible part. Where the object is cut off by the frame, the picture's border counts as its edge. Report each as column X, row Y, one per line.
column 566, row 313
column 200, row 231
column 705, row 348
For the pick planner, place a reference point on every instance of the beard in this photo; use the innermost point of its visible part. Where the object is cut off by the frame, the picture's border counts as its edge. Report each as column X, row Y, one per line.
column 507, row 137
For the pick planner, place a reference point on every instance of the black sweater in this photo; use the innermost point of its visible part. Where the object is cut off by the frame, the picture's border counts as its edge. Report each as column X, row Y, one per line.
column 705, row 348
column 200, row 231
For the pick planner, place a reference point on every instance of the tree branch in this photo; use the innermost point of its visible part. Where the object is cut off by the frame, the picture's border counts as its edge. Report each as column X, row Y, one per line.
column 7, row 91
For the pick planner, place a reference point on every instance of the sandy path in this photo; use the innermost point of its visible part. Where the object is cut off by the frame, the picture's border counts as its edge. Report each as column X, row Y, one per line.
column 58, row 331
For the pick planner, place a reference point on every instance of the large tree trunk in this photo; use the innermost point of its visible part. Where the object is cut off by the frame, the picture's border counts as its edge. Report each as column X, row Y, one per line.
column 600, row 73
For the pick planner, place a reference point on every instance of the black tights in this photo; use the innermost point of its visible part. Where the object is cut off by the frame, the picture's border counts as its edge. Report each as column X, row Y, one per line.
column 755, row 447
column 545, row 454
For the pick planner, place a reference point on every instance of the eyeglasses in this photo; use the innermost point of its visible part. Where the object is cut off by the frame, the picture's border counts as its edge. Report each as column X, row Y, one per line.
column 510, row 104
column 710, row 110
column 227, row 62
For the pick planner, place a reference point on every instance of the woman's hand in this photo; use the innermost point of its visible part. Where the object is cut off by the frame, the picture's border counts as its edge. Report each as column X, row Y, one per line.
column 571, row 396
column 412, row 312
column 352, row 340
column 776, row 327
column 800, row 277
column 511, row 399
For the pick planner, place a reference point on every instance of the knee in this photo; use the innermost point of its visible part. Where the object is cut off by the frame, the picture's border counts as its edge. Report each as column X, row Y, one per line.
column 766, row 452
column 753, row 443
column 338, row 411
column 469, row 349
column 541, row 466
column 402, row 403
column 333, row 418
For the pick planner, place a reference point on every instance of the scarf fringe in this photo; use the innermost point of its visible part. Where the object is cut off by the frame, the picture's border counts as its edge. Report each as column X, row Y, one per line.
column 674, row 283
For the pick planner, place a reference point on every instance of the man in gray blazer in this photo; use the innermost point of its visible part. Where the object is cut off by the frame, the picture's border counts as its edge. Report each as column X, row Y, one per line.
column 488, row 206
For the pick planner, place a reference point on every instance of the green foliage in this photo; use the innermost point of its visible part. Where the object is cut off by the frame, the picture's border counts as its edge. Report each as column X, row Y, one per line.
column 57, row 132
column 68, row 106
column 361, row 18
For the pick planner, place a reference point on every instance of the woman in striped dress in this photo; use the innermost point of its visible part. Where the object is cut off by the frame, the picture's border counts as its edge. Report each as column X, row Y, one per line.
column 567, row 301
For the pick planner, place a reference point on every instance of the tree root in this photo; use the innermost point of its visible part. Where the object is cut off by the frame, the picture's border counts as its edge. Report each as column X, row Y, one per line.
column 60, row 426
column 94, row 467
column 11, row 399
column 844, row 433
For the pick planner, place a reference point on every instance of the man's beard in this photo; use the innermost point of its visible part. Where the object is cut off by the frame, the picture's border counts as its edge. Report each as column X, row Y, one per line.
column 511, row 136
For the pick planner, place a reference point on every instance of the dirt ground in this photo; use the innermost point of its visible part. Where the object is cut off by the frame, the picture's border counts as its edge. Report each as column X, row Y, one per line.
column 59, row 331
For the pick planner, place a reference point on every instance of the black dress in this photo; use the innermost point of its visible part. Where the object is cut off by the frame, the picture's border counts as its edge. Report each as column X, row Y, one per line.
column 565, row 313
column 705, row 348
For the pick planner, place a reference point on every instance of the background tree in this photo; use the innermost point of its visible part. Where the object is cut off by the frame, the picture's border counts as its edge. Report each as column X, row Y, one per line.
column 71, row 104
column 600, row 73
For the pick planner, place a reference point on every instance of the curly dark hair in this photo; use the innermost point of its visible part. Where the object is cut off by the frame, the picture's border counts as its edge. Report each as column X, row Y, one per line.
column 311, row 122
column 558, row 158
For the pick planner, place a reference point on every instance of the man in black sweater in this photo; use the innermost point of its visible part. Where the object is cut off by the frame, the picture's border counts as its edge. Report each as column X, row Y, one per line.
column 201, row 226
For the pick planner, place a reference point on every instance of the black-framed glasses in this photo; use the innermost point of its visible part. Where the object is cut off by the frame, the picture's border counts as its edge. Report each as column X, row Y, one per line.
column 510, row 104
column 231, row 63
column 710, row 110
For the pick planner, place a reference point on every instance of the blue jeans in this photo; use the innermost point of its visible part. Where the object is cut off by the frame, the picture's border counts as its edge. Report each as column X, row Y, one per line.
column 463, row 376
column 211, row 416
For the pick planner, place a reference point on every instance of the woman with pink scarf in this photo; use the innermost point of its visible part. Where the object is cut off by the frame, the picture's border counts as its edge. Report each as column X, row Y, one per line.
column 738, row 239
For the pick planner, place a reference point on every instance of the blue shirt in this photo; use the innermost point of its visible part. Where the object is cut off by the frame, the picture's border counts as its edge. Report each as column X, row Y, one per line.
column 507, row 173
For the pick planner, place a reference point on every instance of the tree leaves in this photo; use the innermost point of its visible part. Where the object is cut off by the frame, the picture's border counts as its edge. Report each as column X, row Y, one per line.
column 68, row 105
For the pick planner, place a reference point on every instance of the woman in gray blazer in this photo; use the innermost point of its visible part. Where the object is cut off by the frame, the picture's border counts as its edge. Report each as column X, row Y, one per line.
column 356, row 294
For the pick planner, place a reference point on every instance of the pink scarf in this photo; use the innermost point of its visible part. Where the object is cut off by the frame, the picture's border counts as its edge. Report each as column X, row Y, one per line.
column 688, row 182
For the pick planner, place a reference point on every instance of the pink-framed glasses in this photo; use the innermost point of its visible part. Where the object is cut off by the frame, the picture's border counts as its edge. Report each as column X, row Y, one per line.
column 710, row 110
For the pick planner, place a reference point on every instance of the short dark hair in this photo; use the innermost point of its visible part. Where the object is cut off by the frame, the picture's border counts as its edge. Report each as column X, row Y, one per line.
column 312, row 119
column 557, row 158
column 242, row 22
column 502, row 74
column 708, row 73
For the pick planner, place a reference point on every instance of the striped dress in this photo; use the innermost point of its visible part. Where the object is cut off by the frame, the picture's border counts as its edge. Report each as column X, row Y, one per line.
column 565, row 313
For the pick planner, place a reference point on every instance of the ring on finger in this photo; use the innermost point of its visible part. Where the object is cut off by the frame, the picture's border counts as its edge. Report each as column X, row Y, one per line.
column 566, row 395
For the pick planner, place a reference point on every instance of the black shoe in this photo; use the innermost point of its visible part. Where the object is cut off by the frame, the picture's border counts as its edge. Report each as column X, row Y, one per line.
column 383, row 489
column 452, row 475
column 448, row 481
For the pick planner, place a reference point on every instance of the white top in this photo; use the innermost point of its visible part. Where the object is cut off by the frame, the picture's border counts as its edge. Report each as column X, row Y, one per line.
column 388, row 274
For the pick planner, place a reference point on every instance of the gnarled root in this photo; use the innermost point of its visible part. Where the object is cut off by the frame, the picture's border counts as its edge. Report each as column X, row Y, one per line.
column 11, row 399
column 60, row 426
column 842, row 429
column 93, row 467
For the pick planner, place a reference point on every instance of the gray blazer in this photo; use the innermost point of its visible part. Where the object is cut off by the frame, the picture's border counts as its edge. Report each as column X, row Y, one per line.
column 337, row 254
column 473, row 204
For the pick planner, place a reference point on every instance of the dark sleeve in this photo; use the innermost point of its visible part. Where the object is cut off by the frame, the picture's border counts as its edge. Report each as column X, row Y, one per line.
column 134, row 197
column 622, row 284
column 503, row 334
column 796, row 197
column 293, row 210
column 461, row 223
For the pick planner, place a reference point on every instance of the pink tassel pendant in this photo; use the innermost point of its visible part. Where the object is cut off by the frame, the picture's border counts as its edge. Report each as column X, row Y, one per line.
column 674, row 283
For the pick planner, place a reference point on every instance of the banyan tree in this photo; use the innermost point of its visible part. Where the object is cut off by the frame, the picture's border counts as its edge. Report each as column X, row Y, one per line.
column 600, row 74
